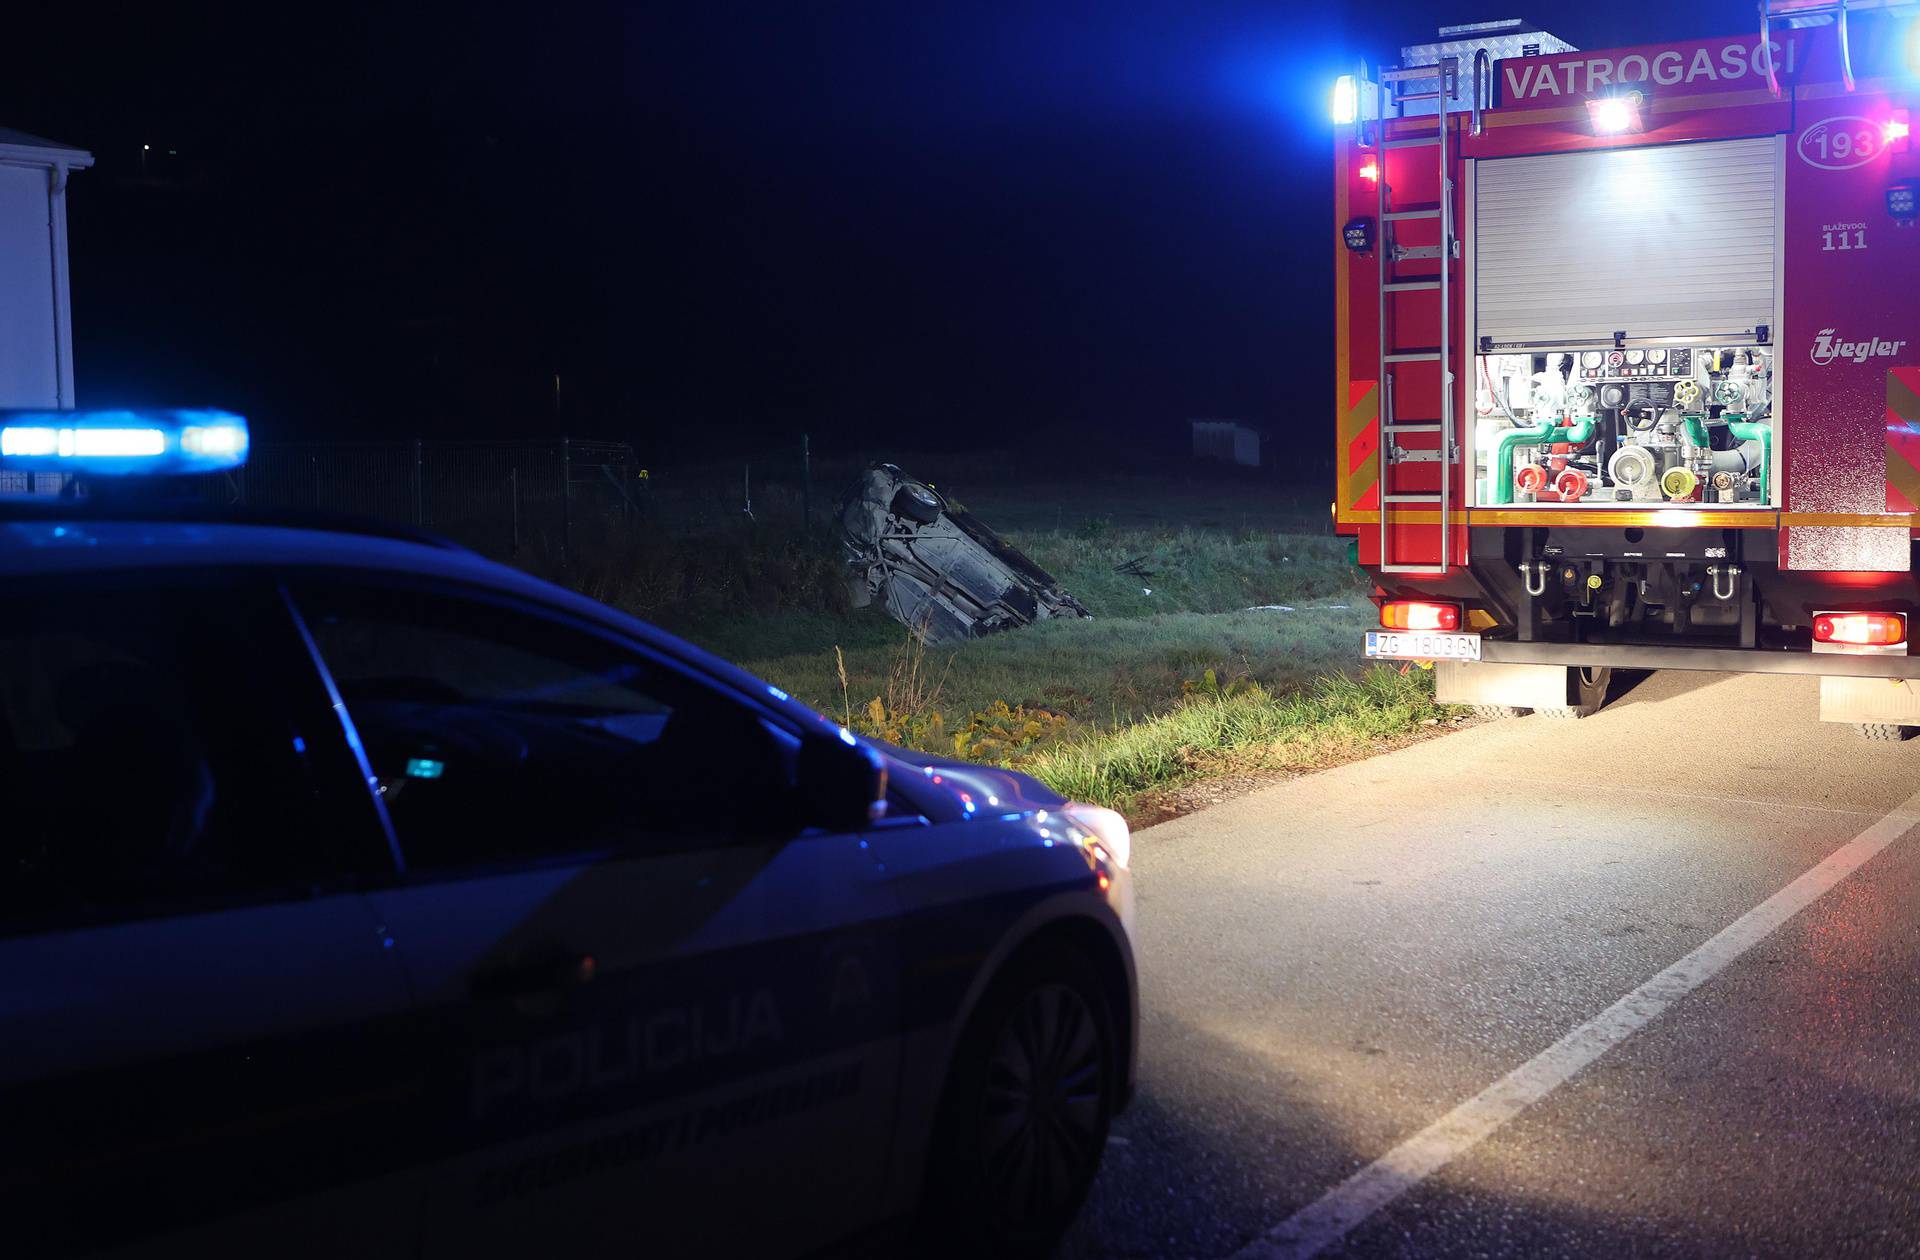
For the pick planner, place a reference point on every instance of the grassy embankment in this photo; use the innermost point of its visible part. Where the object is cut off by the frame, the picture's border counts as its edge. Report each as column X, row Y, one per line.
column 1179, row 675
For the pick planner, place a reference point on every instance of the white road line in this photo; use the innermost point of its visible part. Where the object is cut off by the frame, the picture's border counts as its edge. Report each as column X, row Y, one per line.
column 1330, row 1218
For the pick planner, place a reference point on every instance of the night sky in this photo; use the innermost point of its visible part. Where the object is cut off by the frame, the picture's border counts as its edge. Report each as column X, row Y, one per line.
column 720, row 222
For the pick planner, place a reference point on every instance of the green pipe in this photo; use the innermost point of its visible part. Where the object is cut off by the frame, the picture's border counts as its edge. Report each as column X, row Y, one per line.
column 1697, row 430
column 1502, row 487
column 1579, row 433
column 1757, row 430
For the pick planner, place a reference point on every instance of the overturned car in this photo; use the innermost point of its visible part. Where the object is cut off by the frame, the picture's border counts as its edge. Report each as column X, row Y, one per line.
column 937, row 570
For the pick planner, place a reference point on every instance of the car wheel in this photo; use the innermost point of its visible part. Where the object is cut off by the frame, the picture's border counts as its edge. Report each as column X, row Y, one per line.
column 1024, row 1119
column 1882, row 731
column 917, row 503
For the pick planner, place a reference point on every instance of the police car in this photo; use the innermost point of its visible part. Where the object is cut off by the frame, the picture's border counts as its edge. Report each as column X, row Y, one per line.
column 364, row 897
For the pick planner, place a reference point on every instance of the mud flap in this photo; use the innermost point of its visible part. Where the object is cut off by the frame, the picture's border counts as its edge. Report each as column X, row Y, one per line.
column 1870, row 701
column 1500, row 683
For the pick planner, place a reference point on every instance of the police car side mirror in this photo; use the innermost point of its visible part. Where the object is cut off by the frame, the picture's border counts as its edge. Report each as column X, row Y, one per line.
column 842, row 783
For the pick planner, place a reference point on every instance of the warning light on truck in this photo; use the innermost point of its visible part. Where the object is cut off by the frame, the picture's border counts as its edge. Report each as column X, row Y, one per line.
column 1615, row 115
column 1417, row 614
column 1346, row 99
column 1860, row 629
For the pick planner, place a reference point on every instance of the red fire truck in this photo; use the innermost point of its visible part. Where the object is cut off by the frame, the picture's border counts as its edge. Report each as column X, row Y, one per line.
column 1628, row 358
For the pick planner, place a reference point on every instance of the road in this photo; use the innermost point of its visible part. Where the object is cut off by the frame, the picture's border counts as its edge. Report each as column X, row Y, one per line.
column 1333, row 966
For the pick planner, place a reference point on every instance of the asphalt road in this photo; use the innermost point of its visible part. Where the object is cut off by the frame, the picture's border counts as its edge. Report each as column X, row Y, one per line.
column 1331, row 966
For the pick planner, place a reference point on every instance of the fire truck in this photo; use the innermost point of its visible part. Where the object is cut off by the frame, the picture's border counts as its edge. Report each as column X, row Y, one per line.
column 1628, row 358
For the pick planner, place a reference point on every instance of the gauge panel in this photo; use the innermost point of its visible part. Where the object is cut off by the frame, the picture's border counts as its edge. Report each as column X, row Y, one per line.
column 1658, row 362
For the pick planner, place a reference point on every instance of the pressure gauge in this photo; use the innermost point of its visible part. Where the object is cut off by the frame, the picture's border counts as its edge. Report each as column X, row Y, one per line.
column 1590, row 358
column 1656, row 356
column 1636, row 356
column 1615, row 358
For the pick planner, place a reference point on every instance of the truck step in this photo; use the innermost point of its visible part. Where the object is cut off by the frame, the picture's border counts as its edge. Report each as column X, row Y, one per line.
column 1420, row 212
column 1414, row 498
column 1413, row 426
column 1413, row 356
column 1410, row 286
column 1412, row 142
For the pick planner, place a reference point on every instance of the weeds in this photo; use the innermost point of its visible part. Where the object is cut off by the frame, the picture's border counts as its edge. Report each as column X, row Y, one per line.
column 846, row 702
column 1253, row 729
column 1001, row 732
column 908, row 710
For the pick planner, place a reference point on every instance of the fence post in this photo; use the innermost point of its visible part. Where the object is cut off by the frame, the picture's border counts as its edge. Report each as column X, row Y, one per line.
column 418, row 517
column 806, row 481
column 566, row 500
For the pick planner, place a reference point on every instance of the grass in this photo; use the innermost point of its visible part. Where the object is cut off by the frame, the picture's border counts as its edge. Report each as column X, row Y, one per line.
column 1254, row 729
column 1101, row 674
column 1225, row 633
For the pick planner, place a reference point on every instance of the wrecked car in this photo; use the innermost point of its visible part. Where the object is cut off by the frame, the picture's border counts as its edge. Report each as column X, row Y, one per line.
column 936, row 569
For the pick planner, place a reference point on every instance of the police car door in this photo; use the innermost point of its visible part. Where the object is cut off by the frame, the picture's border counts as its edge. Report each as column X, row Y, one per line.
column 194, row 1003
column 660, row 1021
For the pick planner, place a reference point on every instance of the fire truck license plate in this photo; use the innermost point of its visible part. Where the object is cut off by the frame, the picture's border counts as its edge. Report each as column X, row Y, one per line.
column 1422, row 645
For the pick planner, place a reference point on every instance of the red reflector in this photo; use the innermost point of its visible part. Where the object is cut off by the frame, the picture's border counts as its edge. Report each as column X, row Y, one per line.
column 1860, row 629
column 1414, row 614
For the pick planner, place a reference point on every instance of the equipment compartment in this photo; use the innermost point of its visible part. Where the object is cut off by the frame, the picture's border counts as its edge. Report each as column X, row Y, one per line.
column 1678, row 426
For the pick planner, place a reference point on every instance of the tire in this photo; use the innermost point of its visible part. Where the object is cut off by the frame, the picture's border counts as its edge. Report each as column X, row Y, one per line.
column 1589, row 689
column 1882, row 731
column 917, row 503
column 1011, row 1162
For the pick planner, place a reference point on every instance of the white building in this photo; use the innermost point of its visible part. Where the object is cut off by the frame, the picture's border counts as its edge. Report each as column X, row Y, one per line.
column 36, row 311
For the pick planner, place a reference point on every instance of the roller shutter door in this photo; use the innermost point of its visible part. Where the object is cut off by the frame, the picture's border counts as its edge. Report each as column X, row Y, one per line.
column 1672, row 240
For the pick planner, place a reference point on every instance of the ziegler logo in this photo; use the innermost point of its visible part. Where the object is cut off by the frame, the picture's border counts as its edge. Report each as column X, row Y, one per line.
column 1826, row 349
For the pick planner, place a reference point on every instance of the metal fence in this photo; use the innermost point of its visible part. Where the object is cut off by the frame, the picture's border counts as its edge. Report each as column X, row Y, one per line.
column 499, row 498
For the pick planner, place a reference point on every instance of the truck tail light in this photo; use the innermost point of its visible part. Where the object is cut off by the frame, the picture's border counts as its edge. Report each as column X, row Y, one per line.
column 1860, row 629
column 1418, row 614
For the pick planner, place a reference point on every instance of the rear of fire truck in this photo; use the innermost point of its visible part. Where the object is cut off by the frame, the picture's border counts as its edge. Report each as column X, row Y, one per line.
column 1628, row 354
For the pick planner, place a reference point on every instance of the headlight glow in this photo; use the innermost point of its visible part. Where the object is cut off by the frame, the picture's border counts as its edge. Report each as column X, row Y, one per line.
column 1108, row 827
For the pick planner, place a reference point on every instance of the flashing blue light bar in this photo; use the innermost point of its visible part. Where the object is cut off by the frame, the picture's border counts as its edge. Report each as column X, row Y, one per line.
column 1345, row 105
column 122, row 443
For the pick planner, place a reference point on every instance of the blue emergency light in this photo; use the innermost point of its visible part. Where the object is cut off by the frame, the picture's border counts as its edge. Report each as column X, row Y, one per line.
column 123, row 443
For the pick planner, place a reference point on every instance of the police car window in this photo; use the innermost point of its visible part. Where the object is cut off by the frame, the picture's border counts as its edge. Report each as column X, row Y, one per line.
column 498, row 735
column 144, row 763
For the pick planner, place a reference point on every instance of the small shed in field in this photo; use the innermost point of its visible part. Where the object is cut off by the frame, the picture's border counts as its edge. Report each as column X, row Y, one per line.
column 1227, row 441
